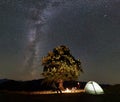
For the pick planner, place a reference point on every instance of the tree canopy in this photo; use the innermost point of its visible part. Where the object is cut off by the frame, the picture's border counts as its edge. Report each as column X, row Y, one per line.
column 60, row 64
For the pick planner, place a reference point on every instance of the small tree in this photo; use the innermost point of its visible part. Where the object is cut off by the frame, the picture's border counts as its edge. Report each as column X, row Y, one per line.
column 60, row 65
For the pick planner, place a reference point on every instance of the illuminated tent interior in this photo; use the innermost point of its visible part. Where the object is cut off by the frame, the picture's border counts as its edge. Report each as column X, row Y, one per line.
column 93, row 88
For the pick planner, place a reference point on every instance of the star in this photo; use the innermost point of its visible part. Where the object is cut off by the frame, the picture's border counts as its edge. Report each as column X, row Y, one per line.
column 105, row 15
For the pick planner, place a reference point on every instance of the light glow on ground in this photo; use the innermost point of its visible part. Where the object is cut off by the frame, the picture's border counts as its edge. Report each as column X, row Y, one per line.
column 55, row 92
column 67, row 91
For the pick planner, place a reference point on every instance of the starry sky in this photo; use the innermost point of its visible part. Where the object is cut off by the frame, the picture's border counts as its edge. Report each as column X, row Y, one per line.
column 31, row 28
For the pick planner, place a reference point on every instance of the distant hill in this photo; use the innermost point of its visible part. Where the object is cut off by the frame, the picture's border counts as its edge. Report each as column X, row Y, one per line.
column 112, row 89
column 33, row 85
column 3, row 80
column 40, row 85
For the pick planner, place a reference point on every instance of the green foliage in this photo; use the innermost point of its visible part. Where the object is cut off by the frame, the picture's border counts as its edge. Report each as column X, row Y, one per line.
column 60, row 64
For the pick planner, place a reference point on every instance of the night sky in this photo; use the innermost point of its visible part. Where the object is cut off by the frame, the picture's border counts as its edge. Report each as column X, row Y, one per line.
column 31, row 28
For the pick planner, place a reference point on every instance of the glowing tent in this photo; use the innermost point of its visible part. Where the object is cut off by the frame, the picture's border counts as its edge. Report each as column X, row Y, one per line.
column 93, row 88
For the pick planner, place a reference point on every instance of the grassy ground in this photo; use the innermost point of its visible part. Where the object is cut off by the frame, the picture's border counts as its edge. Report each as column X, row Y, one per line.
column 75, row 97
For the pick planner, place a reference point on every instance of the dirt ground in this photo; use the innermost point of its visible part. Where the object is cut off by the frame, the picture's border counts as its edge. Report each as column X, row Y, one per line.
column 65, row 97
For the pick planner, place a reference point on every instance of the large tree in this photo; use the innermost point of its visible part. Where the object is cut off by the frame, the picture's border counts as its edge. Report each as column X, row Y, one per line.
column 60, row 65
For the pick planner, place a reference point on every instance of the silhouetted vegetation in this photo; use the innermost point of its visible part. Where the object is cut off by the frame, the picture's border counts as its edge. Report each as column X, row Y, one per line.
column 60, row 65
column 33, row 85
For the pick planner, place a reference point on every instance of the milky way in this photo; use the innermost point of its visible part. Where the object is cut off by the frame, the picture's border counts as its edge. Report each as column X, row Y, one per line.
column 39, row 13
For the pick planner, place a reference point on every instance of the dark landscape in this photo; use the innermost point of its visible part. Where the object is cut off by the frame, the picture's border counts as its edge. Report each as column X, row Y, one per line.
column 8, row 89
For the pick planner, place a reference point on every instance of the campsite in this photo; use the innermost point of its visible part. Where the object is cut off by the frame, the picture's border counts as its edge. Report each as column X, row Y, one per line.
column 111, row 93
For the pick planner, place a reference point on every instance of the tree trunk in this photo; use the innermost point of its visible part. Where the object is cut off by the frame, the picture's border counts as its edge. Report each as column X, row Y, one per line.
column 61, row 84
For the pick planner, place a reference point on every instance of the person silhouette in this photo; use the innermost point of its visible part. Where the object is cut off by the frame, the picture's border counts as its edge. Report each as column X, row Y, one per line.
column 58, row 89
column 55, row 87
column 78, row 85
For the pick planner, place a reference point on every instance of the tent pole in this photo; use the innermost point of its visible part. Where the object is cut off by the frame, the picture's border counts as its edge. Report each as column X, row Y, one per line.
column 94, row 88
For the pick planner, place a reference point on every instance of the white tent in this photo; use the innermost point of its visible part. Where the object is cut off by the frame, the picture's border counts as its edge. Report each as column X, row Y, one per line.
column 93, row 88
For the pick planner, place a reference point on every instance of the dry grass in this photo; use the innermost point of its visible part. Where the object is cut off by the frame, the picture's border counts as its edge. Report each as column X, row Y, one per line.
column 51, row 96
